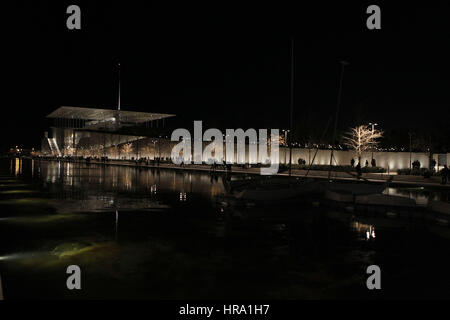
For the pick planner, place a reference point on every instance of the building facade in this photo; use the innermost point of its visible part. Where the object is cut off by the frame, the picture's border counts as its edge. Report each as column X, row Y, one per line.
column 118, row 134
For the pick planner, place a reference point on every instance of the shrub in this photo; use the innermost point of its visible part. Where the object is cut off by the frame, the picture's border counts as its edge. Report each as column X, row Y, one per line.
column 403, row 171
column 325, row 167
column 373, row 170
column 416, row 164
column 426, row 173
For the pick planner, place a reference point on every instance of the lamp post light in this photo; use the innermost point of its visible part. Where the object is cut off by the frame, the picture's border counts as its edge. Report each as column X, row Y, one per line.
column 285, row 134
column 410, row 151
column 373, row 129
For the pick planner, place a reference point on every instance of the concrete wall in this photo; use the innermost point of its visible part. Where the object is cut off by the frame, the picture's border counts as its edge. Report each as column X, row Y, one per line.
column 153, row 147
column 388, row 160
column 441, row 159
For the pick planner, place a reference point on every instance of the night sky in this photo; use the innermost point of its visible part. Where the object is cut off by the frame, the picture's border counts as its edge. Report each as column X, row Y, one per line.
column 229, row 65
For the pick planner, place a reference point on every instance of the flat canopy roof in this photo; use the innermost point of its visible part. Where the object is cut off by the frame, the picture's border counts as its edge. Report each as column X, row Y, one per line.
column 102, row 114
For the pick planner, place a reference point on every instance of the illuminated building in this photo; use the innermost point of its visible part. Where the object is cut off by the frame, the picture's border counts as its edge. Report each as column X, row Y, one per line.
column 101, row 132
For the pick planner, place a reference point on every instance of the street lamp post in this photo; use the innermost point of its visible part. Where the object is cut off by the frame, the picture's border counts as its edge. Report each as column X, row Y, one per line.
column 373, row 129
column 288, row 142
column 410, row 151
column 291, row 109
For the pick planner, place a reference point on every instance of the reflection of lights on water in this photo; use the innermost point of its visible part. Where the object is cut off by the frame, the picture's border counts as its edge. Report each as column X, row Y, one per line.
column 366, row 229
column 183, row 196
column 68, row 169
column 370, row 233
column 411, row 193
column 9, row 257
column 18, row 167
column 15, row 256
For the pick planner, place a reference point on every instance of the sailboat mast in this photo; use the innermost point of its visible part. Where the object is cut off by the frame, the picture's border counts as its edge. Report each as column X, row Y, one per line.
column 118, row 103
column 291, row 107
column 338, row 104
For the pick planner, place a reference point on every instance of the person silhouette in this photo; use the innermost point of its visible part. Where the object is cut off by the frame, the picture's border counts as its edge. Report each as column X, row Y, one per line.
column 444, row 173
column 358, row 170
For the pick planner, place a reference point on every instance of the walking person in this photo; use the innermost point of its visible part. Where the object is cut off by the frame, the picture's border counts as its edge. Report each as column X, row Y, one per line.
column 358, row 170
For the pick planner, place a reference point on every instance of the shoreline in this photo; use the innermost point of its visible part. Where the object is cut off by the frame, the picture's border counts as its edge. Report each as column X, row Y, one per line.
column 397, row 180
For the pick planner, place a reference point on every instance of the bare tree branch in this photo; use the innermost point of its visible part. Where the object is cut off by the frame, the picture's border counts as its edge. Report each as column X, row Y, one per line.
column 361, row 139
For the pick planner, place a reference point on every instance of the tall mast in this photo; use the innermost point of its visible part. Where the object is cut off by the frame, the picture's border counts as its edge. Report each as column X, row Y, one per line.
column 118, row 103
column 291, row 107
column 338, row 104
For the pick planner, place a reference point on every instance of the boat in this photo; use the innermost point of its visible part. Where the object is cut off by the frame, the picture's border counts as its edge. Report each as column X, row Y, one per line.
column 341, row 197
column 441, row 211
column 276, row 193
column 385, row 201
column 440, row 207
column 267, row 190
column 275, row 189
column 255, row 181
column 355, row 189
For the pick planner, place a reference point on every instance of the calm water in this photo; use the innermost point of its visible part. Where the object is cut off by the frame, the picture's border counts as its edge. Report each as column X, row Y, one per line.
column 163, row 234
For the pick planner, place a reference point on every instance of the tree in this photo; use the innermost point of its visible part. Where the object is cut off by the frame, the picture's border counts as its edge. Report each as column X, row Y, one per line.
column 147, row 151
column 361, row 139
column 69, row 151
column 114, row 151
column 127, row 149
column 100, row 150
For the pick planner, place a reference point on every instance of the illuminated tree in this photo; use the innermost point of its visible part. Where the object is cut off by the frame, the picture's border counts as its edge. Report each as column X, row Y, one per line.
column 361, row 139
column 127, row 149
column 92, row 151
column 82, row 151
column 69, row 151
column 114, row 151
column 146, row 151
column 99, row 150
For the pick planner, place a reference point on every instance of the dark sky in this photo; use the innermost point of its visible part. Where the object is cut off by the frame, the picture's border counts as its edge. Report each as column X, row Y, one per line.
column 228, row 64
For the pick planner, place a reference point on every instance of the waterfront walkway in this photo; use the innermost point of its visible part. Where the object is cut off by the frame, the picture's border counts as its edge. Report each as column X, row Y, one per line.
column 402, row 180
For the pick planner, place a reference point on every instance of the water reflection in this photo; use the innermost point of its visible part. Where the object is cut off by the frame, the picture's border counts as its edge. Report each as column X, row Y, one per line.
column 362, row 228
column 97, row 187
column 150, row 236
column 421, row 195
